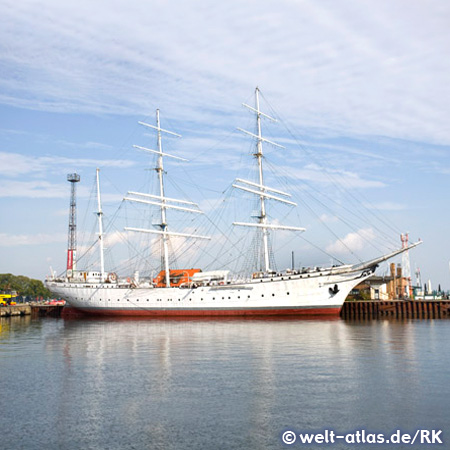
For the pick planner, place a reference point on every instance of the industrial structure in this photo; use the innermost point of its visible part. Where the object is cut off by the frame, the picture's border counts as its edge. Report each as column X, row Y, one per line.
column 72, row 178
column 406, row 266
column 397, row 283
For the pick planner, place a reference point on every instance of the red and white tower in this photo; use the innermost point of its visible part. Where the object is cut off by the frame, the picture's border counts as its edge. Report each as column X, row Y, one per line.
column 72, row 178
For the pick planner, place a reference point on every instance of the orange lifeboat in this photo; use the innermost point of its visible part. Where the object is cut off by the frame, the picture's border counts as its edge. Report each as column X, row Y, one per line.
column 177, row 277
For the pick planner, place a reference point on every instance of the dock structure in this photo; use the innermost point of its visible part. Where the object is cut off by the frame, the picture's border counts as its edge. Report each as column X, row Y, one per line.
column 400, row 309
column 34, row 309
column 15, row 310
column 374, row 309
column 46, row 310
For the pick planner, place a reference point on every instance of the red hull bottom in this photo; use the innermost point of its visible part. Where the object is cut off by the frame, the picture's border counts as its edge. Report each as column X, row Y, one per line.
column 71, row 312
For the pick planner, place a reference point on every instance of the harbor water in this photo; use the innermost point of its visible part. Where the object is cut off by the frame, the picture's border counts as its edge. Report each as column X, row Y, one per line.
column 219, row 384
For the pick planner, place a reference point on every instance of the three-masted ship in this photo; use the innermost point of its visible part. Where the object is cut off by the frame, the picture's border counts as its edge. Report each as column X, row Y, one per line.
column 193, row 292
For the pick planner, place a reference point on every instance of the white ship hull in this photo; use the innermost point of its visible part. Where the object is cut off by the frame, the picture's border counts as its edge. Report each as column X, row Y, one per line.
column 321, row 292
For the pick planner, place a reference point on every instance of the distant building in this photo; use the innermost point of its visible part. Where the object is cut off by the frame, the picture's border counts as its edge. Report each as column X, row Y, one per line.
column 388, row 287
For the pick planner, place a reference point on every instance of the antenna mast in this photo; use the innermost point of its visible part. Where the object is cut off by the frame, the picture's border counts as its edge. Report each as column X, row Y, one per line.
column 72, row 178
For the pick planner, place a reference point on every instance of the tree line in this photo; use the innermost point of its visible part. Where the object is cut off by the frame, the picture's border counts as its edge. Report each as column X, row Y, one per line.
column 24, row 286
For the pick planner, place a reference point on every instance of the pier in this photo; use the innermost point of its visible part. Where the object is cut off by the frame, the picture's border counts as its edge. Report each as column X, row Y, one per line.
column 15, row 310
column 46, row 310
column 400, row 309
column 34, row 309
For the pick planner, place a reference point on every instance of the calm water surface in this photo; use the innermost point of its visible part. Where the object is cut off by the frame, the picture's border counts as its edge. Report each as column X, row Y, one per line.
column 225, row 384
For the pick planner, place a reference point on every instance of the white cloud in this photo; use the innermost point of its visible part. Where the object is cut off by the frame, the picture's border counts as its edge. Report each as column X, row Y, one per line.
column 14, row 240
column 387, row 206
column 354, row 74
column 380, row 73
column 317, row 174
column 326, row 218
column 62, row 212
column 16, row 164
column 116, row 237
column 32, row 189
column 85, row 145
column 354, row 151
column 38, row 170
column 352, row 242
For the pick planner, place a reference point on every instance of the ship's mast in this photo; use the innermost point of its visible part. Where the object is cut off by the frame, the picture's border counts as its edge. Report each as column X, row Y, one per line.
column 259, row 156
column 161, row 200
column 264, row 192
column 160, row 170
column 100, row 228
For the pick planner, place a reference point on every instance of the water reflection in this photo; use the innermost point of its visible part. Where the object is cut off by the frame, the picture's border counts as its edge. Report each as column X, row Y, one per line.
column 226, row 383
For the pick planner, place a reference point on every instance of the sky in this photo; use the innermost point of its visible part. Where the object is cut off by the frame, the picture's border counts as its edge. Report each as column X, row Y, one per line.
column 361, row 89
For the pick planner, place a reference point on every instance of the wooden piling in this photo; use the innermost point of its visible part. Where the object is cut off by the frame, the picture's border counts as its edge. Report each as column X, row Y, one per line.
column 400, row 309
column 38, row 310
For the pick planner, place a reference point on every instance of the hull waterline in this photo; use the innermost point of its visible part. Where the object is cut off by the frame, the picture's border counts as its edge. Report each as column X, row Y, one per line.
column 331, row 311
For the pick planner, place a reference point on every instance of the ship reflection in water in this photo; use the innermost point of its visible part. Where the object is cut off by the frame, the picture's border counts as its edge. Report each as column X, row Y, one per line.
column 234, row 384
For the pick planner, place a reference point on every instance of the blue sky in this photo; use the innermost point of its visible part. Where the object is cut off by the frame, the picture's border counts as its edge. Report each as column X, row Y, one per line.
column 363, row 85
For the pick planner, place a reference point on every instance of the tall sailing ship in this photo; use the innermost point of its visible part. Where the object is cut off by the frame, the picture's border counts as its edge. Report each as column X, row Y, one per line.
column 193, row 292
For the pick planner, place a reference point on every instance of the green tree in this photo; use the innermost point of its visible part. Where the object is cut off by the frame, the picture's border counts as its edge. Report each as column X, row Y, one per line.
column 24, row 286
